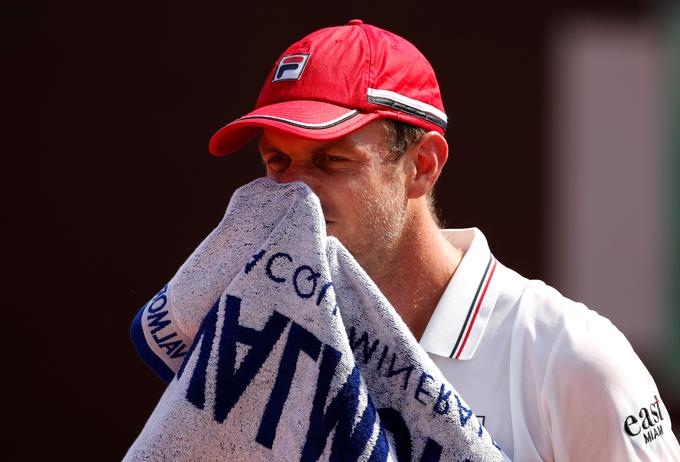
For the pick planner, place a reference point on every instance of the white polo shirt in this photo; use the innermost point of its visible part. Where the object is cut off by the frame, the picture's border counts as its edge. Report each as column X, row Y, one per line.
column 549, row 378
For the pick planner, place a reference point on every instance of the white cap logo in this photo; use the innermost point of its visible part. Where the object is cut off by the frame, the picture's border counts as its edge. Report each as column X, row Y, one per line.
column 291, row 67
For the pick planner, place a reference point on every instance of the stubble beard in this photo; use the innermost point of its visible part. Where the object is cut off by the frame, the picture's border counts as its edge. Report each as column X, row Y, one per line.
column 382, row 219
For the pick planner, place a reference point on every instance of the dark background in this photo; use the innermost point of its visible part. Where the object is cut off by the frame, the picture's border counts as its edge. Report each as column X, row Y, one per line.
column 107, row 109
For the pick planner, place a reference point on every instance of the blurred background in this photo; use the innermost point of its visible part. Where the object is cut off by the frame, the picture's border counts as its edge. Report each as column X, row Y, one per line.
column 565, row 137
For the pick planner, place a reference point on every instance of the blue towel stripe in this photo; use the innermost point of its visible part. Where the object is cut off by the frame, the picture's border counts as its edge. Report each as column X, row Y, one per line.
column 144, row 350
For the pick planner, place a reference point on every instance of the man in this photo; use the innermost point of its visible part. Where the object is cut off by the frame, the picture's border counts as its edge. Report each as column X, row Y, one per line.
column 356, row 113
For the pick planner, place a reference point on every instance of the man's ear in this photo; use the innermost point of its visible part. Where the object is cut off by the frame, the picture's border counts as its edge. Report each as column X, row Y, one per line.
column 428, row 157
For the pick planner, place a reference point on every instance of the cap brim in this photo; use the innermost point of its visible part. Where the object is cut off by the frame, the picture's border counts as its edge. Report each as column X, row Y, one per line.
column 315, row 120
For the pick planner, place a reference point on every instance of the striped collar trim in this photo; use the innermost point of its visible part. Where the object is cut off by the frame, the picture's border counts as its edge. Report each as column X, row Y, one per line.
column 462, row 314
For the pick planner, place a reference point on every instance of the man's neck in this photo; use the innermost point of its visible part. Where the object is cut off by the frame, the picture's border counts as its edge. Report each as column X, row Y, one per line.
column 420, row 269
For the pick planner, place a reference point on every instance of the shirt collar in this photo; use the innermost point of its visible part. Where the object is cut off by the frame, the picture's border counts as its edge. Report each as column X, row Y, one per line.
column 460, row 318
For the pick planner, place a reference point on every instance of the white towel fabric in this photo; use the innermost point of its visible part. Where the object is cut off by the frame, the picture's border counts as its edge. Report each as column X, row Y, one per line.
column 278, row 346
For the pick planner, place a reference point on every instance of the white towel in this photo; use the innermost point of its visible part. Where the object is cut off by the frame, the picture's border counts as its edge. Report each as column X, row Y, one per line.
column 278, row 346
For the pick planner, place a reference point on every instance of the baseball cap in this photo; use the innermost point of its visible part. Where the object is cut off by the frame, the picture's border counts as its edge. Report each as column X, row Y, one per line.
column 336, row 80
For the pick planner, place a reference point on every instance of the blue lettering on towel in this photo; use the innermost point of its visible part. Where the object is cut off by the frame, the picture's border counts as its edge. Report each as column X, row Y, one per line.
column 395, row 424
column 156, row 321
column 305, row 281
column 256, row 258
column 348, row 441
column 339, row 414
column 231, row 383
column 331, row 417
column 363, row 340
column 299, row 340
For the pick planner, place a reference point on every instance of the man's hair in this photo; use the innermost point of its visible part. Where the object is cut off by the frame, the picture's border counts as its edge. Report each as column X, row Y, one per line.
column 399, row 138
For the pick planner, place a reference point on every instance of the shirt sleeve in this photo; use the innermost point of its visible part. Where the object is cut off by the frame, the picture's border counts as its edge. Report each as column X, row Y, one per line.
column 600, row 401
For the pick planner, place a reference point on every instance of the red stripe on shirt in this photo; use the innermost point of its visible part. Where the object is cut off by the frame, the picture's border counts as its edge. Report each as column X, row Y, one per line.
column 474, row 316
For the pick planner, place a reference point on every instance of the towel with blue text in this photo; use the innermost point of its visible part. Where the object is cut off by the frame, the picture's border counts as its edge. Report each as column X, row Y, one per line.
column 278, row 346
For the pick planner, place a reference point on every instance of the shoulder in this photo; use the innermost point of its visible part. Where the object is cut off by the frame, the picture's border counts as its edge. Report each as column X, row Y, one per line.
column 590, row 388
column 572, row 342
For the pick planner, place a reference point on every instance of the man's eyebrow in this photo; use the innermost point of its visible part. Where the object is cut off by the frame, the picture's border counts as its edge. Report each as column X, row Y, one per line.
column 324, row 148
column 267, row 148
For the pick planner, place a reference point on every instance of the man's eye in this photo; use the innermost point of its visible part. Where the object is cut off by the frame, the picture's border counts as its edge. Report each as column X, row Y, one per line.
column 334, row 159
column 276, row 160
column 276, row 163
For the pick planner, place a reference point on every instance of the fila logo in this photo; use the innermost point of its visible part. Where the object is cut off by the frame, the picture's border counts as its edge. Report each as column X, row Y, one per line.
column 291, row 67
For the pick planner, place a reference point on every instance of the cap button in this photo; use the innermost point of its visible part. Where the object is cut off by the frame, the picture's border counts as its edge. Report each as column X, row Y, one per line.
column 355, row 22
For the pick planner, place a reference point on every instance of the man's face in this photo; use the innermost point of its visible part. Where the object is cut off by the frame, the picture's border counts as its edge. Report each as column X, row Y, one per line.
column 362, row 192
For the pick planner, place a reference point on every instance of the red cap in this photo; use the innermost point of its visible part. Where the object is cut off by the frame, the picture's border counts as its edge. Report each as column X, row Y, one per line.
column 335, row 81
